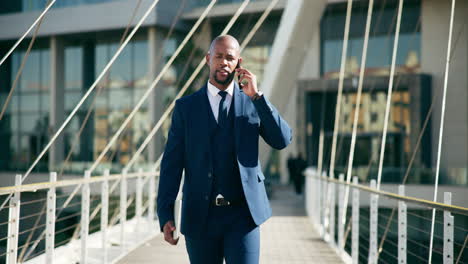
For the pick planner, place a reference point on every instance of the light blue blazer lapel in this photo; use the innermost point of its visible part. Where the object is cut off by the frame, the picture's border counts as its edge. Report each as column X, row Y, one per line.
column 238, row 113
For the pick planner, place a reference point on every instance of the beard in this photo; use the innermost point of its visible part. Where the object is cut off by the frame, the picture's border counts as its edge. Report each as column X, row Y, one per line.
column 226, row 81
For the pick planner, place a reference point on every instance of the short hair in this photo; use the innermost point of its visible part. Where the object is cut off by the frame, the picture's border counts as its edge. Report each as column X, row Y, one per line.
column 223, row 38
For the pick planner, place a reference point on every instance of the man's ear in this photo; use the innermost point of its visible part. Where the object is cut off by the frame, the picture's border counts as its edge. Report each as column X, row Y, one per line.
column 207, row 59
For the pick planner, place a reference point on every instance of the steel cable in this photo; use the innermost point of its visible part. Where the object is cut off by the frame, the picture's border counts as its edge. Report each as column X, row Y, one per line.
column 38, row 20
column 151, row 88
column 23, row 61
column 80, row 103
column 441, row 130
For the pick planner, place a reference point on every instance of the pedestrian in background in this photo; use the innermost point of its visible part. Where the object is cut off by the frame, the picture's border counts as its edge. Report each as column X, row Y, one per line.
column 299, row 165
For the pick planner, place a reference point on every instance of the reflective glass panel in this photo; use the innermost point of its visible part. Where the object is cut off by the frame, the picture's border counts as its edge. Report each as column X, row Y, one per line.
column 30, row 122
column 73, row 68
column 141, row 64
column 30, row 102
column 45, row 101
column 120, row 99
column 120, row 72
column 14, row 105
column 72, row 99
column 14, row 123
column 44, row 70
column 102, row 59
column 30, row 77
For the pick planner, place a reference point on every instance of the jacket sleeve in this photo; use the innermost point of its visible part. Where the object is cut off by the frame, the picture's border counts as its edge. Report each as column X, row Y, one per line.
column 172, row 165
column 273, row 128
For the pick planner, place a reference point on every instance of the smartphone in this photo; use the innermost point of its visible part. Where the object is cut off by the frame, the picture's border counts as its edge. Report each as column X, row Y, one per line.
column 238, row 81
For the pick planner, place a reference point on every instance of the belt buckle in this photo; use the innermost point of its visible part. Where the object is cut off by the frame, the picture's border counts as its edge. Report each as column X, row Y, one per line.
column 220, row 201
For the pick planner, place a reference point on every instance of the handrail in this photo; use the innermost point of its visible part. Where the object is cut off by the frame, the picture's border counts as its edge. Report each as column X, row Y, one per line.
column 419, row 201
column 33, row 187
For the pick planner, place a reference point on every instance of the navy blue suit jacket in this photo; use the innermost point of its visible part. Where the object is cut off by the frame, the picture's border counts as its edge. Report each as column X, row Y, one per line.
column 188, row 148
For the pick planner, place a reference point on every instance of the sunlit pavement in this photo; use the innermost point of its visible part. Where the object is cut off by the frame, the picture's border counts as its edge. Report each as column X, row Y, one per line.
column 287, row 237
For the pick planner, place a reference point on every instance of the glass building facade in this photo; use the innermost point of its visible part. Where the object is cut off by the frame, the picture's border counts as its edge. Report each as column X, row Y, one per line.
column 121, row 90
column 381, row 38
column 24, row 130
column 403, row 124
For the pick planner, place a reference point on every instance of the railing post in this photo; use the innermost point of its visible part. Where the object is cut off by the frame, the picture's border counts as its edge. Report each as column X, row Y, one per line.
column 315, row 192
column 85, row 203
column 332, row 212
column 402, row 228
column 318, row 205
column 309, row 198
column 373, row 225
column 448, row 231
column 50, row 221
column 310, row 192
column 104, row 214
column 139, row 200
column 355, row 231
column 123, row 207
column 13, row 226
column 341, row 205
column 151, row 197
column 325, row 219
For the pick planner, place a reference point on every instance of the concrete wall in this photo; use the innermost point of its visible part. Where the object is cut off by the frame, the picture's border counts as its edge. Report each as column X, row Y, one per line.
column 227, row 9
column 434, row 36
column 87, row 18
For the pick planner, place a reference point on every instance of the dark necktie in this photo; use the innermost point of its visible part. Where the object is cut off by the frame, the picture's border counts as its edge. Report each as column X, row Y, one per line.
column 222, row 110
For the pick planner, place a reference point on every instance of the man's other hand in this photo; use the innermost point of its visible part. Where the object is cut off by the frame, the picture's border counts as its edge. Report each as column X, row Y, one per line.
column 168, row 230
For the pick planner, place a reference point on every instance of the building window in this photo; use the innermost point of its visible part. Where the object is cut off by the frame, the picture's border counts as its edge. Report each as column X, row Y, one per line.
column 28, row 111
column 345, row 118
column 380, row 44
column 374, row 117
column 74, row 91
column 123, row 87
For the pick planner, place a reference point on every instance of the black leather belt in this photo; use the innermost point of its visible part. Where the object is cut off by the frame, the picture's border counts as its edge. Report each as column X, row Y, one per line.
column 224, row 202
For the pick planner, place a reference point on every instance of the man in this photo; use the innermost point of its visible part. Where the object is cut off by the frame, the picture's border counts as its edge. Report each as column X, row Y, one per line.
column 214, row 137
column 290, row 164
column 299, row 166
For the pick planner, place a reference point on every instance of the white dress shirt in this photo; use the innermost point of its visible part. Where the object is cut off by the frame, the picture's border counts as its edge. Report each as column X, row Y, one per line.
column 215, row 98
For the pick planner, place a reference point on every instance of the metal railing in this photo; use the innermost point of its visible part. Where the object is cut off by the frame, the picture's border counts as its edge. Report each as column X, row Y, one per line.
column 384, row 227
column 68, row 231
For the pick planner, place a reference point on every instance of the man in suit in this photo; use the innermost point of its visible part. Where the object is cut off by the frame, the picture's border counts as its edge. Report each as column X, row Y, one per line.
column 214, row 137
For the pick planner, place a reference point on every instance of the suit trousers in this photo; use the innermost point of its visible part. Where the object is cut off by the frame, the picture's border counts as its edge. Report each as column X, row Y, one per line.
column 230, row 234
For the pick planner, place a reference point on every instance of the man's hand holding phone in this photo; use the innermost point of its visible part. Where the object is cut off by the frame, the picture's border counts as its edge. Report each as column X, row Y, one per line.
column 247, row 81
column 168, row 231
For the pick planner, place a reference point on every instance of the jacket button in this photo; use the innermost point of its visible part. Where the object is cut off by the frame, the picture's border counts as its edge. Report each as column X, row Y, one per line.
column 209, row 175
column 206, row 197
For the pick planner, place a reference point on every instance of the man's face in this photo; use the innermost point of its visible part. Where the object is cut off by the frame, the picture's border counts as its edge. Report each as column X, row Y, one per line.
column 222, row 60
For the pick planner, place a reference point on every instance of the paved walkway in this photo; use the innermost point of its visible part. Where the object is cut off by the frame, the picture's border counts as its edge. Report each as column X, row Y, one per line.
column 287, row 237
